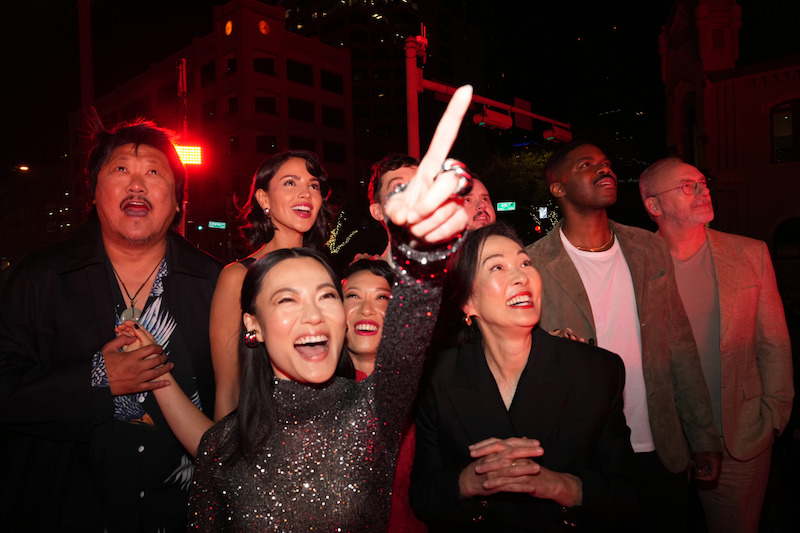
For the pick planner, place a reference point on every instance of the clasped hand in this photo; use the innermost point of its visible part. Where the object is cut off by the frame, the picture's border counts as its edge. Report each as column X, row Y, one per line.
column 507, row 465
column 134, row 361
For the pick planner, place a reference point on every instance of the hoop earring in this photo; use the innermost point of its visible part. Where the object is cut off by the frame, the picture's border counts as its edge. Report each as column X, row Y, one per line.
column 468, row 320
column 250, row 339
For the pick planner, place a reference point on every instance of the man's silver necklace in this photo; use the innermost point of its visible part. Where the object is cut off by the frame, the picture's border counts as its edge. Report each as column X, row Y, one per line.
column 132, row 312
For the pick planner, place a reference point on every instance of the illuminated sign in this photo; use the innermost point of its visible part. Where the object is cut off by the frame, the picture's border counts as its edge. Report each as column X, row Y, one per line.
column 506, row 206
column 213, row 224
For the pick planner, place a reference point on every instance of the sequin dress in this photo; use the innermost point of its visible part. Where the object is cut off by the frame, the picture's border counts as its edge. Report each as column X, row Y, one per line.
column 329, row 464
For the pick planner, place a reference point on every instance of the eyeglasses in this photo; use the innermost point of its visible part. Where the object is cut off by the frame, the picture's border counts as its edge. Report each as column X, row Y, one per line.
column 689, row 188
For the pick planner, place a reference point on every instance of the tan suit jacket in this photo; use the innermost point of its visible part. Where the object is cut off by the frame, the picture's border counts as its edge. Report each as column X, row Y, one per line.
column 756, row 352
column 677, row 397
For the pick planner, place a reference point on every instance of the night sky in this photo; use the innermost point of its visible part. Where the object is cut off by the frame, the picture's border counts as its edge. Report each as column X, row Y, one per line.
column 562, row 56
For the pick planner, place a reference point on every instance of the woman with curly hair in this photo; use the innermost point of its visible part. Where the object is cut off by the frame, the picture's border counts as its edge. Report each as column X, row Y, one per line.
column 286, row 208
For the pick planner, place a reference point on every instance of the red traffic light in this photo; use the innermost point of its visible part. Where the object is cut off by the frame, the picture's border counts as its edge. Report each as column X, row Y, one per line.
column 190, row 155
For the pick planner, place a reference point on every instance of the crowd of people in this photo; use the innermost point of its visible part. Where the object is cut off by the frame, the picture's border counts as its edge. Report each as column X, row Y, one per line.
column 462, row 381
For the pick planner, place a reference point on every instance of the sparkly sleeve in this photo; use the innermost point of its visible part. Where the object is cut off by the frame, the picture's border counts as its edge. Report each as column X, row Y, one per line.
column 408, row 327
column 205, row 495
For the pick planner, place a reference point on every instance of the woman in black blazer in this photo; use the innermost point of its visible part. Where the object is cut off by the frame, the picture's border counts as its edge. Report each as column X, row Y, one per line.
column 517, row 430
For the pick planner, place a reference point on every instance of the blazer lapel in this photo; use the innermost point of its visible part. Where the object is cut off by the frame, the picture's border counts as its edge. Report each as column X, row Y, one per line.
column 542, row 391
column 481, row 410
column 563, row 272
column 538, row 403
column 637, row 263
column 726, row 272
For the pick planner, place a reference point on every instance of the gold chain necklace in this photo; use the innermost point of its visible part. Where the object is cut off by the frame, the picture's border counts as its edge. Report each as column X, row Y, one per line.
column 601, row 248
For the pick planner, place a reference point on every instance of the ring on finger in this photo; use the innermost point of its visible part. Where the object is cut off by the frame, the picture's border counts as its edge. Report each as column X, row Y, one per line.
column 464, row 176
column 513, row 463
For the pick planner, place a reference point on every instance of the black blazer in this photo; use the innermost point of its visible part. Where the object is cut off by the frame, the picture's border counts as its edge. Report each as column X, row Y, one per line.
column 569, row 397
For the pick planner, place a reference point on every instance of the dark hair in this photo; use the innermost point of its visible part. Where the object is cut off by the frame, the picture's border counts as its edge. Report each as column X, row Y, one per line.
column 459, row 282
column 258, row 228
column 256, row 414
column 345, row 368
column 136, row 132
column 552, row 168
column 379, row 267
column 391, row 162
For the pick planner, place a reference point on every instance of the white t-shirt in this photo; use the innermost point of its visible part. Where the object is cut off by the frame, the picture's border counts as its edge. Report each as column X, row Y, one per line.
column 607, row 280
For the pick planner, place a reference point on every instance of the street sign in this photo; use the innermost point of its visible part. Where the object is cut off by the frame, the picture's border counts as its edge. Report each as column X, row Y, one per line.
column 212, row 224
column 506, row 206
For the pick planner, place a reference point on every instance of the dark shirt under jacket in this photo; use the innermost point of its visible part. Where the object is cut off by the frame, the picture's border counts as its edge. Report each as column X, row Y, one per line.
column 68, row 464
column 569, row 397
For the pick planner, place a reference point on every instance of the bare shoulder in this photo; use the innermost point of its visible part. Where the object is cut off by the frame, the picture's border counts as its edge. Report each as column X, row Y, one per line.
column 233, row 273
column 229, row 284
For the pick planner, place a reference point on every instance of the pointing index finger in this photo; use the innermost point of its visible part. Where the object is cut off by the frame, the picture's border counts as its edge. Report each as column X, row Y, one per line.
column 446, row 133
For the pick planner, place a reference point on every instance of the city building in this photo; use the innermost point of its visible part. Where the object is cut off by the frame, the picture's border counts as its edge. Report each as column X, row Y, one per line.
column 252, row 89
column 738, row 121
column 374, row 32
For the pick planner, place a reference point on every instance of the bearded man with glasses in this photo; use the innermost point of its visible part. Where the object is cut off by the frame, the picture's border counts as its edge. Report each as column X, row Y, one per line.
column 728, row 289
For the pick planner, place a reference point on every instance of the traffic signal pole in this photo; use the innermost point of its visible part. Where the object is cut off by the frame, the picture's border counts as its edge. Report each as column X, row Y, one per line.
column 416, row 47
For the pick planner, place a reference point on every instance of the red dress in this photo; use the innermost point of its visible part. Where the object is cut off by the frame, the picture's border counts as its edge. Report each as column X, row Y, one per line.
column 401, row 517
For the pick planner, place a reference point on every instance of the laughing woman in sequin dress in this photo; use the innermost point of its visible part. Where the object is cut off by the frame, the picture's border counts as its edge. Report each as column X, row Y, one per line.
column 306, row 450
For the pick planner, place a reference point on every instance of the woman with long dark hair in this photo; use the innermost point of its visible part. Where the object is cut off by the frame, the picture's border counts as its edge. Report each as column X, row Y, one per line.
column 517, row 429
column 306, row 449
column 287, row 208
